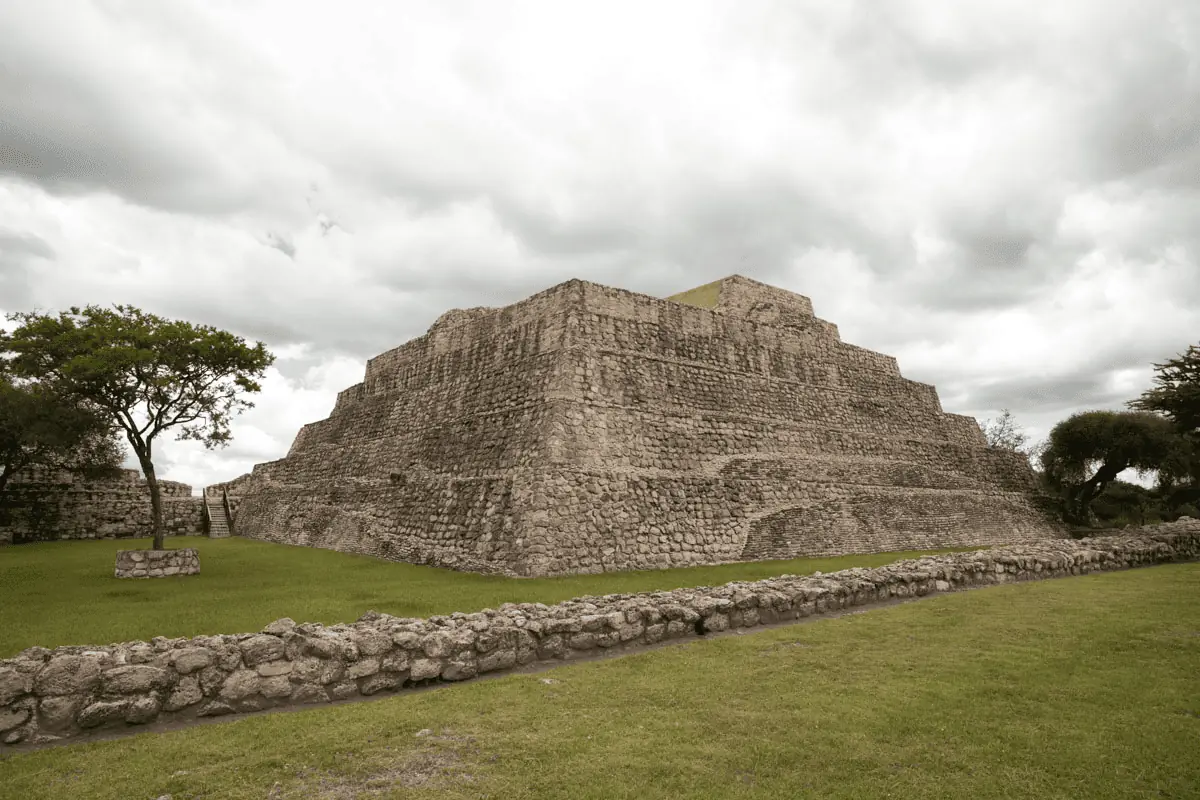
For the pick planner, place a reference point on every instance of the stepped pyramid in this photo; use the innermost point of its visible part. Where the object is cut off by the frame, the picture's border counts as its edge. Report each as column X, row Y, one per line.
column 588, row 429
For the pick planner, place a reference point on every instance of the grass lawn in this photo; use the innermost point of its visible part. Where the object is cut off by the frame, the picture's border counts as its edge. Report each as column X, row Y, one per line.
column 1078, row 688
column 64, row 592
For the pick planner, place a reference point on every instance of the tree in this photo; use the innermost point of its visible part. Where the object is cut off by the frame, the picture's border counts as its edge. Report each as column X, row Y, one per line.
column 39, row 426
column 146, row 373
column 1088, row 450
column 1176, row 394
column 1004, row 433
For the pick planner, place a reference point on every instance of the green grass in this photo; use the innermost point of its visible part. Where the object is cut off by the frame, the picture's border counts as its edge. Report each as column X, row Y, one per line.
column 1077, row 688
column 65, row 592
column 705, row 296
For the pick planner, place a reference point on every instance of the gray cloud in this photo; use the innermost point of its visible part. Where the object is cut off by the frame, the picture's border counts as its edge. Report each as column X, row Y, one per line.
column 19, row 253
column 1007, row 197
column 281, row 243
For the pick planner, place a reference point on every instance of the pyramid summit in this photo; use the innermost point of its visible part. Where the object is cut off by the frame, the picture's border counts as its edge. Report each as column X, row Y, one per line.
column 589, row 429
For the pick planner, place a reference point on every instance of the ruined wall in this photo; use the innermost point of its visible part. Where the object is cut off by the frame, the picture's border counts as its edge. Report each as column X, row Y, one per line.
column 47, row 695
column 157, row 563
column 589, row 429
column 41, row 505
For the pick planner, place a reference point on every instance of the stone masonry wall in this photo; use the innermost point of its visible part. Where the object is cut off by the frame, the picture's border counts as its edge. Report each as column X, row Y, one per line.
column 591, row 429
column 157, row 563
column 40, row 505
column 53, row 694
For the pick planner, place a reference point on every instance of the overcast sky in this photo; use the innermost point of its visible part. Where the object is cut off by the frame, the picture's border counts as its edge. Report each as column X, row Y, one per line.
column 1003, row 195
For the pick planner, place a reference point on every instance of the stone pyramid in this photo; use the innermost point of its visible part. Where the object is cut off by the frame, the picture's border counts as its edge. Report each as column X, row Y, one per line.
column 589, row 429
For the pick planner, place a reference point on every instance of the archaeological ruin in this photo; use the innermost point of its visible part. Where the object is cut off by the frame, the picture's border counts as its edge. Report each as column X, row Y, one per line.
column 59, row 695
column 590, row 429
column 44, row 505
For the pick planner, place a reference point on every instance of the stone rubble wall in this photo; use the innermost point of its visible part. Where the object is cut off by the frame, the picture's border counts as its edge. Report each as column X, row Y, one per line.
column 53, row 694
column 41, row 505
column 590, row 429
column 157, row 563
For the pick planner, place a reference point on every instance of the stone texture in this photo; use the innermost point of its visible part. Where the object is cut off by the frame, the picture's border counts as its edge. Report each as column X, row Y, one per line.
column 58, row 713
column 77, row 688
column 157, row 563
column 133, row 679
column 70, row 674
column 187, row 692
column 13, row 684
column 192, row 659
column 262, row 648
column 41, row 505
column 589, row 429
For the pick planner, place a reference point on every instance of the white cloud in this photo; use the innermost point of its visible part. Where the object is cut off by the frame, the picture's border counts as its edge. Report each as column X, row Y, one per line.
column 1004, row 196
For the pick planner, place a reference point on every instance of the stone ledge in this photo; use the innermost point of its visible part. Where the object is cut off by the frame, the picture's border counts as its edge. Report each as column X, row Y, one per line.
column 48, row 695
column 157, row 563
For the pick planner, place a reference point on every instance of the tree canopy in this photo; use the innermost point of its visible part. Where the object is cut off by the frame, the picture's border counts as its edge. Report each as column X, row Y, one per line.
column 1088, row 450
column 145, row 373
column 1176, row 393
column 41, row 427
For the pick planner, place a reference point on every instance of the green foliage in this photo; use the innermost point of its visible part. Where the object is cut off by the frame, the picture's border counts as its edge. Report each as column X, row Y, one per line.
column 1088, row 450
column 43, row 427
column 146, row 373
column 1123, row 503
column 1176, row 393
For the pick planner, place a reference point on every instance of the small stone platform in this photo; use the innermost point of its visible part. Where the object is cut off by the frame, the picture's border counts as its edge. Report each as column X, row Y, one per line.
column 157, row 563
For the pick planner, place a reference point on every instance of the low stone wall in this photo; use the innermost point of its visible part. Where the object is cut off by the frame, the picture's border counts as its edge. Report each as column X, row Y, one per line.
column 52, row 694
column 42, row 505
column 157, row 563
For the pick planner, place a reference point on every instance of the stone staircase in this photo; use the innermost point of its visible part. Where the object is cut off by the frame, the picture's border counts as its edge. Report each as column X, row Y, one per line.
column 218, row 522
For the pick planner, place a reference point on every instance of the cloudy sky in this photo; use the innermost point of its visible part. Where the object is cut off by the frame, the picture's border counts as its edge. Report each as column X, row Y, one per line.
column 1003, row 195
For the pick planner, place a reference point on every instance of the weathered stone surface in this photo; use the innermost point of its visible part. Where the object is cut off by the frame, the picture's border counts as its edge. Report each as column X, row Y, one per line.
column 343, row 691
column 361, row 669
column 379, row 682
column 240, row 685
column 307, row 693
column 497, row 659
column 142, row 710
column 512, row 634
column 57, row 712
column 259, row 649
column 590, row 429
column 187, row 692
column 211, row 679
column 13, row 684
column 280, row 626
column 317, row 670
column 12, row 717
column 215, row 708
column 157, row 563
column 191, row 659
column 395, row 661
column 67, row 674
column 425, row 668
column 273, row 668
column 275, row 687
column 97, row 714
column 133, row 679
column 45, row 505
column 460, row 667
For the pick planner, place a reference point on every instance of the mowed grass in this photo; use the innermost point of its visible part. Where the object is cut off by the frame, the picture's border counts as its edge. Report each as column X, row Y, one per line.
column 59, row 593
column 1084, row 687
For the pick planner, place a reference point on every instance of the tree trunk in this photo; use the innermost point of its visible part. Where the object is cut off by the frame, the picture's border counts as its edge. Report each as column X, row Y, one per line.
column 155, row 501
column 1093, row 486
